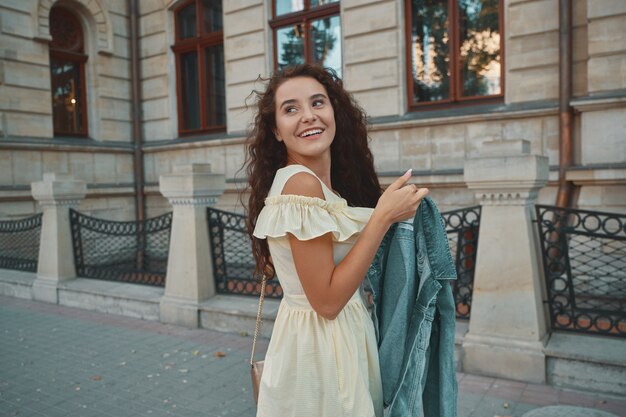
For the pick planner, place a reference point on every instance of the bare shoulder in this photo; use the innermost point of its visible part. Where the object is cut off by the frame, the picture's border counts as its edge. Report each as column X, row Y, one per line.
column 305, row 184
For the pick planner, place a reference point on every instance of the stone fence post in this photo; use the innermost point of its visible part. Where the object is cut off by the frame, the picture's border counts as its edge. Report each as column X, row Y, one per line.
column 507, row 327
column 56, row 194
column 190, row 189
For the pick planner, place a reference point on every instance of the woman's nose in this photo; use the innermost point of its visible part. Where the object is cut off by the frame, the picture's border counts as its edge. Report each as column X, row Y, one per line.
column 308, row 114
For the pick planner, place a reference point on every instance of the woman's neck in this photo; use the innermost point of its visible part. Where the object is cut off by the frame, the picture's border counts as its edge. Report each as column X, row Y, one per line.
column 321, row 167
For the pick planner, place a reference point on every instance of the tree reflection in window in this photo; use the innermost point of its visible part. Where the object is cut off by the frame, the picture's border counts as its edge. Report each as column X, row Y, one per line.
column 455, row 50
column 307, row 32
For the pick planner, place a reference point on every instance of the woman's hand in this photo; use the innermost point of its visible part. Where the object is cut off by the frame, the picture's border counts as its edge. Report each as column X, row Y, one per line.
column 399, row 201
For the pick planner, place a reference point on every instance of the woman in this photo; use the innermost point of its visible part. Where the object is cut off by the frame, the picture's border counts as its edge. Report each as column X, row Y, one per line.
column 317, row 216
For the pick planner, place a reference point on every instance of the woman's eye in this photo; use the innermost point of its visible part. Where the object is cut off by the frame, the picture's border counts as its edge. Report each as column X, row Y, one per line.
column 290, row 110
column 318, row 103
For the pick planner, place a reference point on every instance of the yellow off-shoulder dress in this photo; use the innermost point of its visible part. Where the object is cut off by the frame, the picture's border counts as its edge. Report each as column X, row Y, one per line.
column 316, row 367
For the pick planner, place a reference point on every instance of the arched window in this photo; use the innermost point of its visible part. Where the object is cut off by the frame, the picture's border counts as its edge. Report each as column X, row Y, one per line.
column 67, row 74
column 200, row 80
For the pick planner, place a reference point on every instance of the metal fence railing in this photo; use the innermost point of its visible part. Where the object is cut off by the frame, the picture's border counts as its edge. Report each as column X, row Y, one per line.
column 462, row 226
column 584, row 263
column 233, row 262
column 128, row 251
column 19, row 243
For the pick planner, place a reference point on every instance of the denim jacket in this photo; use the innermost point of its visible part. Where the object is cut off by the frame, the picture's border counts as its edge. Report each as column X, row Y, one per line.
column 414, row 316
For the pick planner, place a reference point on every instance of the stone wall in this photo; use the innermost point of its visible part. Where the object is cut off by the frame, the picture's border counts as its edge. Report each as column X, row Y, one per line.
column 434, row 143
column 28, row 147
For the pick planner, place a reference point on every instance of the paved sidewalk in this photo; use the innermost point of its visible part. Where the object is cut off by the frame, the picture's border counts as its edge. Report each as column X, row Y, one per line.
column 65, row 362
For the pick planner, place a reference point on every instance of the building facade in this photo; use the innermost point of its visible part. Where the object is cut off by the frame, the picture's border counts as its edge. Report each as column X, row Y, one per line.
column 438, row 79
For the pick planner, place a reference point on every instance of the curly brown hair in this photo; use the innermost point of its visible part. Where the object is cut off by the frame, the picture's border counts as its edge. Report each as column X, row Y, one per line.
column 352, row 167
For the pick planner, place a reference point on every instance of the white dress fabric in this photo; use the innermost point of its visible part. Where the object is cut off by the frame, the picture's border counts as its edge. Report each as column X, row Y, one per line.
column 316, row 367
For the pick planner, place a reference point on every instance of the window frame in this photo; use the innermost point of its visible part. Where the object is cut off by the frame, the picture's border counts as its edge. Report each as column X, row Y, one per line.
column 304, row 17
column 80, row 59
column 196, row 44
column 455, row 99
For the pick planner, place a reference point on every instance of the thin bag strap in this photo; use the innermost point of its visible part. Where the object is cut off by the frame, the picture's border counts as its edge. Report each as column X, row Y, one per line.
column 259, row 314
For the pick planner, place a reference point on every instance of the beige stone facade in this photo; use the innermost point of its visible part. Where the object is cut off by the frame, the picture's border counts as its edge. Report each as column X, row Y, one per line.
column 435, row 143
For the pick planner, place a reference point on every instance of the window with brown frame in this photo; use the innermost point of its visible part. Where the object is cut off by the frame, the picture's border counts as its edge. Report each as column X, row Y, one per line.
column 67, row 74
column 454, row 52
column 306, row 31
column 200, row 81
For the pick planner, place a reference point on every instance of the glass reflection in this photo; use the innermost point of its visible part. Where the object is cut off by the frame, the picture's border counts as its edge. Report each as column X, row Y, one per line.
column 288, row 6
column 190, row 96
column 67, row 96
column 479, row 40
column 212, row 15
column 290, row 46
column 429, row 50
column 187, row 22
column 315, row 3
column 215, row 80
column 326, row 42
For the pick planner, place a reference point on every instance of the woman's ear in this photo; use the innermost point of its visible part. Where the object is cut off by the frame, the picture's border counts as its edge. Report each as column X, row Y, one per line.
column 277, row 136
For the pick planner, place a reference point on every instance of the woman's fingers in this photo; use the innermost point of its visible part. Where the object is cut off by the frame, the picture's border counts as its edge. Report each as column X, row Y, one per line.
column 422, row 192
column 400, row 181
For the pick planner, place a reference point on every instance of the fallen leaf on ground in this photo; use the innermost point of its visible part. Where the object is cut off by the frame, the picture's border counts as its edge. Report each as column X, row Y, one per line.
column 96, row 378
column 219, row 354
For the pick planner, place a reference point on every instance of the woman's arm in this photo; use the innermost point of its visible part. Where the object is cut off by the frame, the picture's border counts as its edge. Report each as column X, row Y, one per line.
column 329, row 287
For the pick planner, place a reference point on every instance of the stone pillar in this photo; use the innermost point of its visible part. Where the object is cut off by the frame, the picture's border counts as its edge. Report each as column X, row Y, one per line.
column 507, row 327
column 190, row 189
column 56, row 194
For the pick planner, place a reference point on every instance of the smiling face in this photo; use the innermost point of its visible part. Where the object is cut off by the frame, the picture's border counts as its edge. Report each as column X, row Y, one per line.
column 305, row 119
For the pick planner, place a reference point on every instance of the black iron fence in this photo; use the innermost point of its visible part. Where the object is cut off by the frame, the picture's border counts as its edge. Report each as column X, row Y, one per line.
column 233, row 262
column 19, row 243
column 462, row 227
column 584, row 262
column 128, row 251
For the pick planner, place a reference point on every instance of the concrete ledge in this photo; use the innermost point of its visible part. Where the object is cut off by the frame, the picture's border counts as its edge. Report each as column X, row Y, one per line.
column 132, row 300
column 234, row 313
column 588, row 362
column 17, row 283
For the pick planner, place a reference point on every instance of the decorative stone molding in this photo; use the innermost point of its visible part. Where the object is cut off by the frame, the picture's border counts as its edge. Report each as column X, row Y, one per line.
column 201, row 201
column 60, row 203
column 526, row 198
column 103, row 30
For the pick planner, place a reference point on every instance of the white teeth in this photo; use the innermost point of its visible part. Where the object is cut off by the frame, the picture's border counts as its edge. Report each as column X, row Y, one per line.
column 311, row 132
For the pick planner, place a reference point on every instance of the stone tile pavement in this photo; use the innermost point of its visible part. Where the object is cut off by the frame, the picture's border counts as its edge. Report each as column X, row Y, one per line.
column 62, row 362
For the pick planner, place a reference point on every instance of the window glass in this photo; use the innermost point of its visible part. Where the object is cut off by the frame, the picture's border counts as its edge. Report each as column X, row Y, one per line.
column 429, row 50
column 216, row 95
column 67, row 106
column 211, row 15
column 290, row 45
column 315, row 3
column 479, row 47
column 190, row 96
column 67, row 74
column 187, row 24
column 200, row 76
column 288, row 6
column 326, row 42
